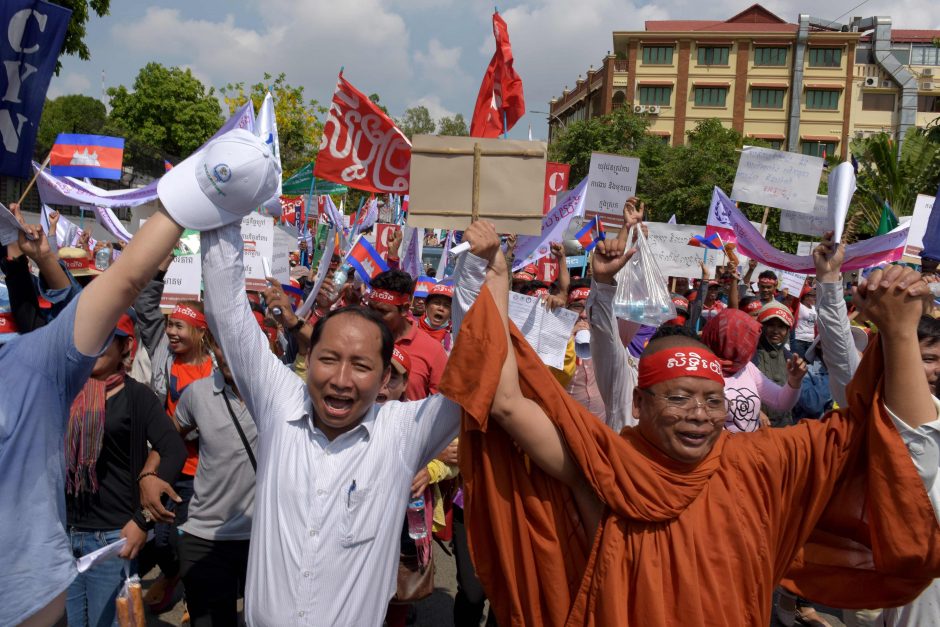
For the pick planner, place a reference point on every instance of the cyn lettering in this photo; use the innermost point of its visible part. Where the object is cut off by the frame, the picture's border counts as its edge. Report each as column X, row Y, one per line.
column 17, row 72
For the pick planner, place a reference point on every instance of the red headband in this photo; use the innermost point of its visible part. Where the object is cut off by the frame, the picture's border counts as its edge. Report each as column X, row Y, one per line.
column 539, row 292
column 767, row 282
column 190, row 316
column 680, row 361
column 388, row 297
column 579, row 293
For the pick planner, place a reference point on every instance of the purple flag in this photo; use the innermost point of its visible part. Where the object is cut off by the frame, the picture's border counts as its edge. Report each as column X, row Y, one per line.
column 932, row 234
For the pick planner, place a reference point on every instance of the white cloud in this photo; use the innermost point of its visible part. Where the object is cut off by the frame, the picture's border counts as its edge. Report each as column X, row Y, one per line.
column 438, row 56
column 434, row 106
column 68, row 83
column 307, row 41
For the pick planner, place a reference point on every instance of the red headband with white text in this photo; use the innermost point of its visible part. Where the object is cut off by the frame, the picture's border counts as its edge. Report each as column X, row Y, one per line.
column 679, row 361
column 388, row 297
column 190, row 316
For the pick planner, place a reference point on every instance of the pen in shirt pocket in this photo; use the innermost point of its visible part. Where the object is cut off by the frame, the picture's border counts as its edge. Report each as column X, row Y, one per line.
column 352, row 488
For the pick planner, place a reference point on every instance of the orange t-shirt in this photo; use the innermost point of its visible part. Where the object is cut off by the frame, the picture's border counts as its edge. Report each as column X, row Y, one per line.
column 181, row 375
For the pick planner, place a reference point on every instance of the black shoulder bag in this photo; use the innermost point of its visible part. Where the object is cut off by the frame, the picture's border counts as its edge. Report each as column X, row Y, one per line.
column 241, row 433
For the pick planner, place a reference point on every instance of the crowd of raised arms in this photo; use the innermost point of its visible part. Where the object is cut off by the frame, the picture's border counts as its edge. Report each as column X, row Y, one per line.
column 763, row 456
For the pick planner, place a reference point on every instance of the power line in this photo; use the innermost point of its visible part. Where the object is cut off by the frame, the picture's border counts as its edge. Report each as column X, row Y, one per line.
column 852, row 9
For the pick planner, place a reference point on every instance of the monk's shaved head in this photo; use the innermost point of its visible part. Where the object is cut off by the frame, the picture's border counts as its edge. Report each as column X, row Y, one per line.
column 672, row 340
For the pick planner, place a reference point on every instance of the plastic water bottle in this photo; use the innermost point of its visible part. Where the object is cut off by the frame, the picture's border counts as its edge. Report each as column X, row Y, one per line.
column 339, row 278
column 103, row 259
column 417, row 528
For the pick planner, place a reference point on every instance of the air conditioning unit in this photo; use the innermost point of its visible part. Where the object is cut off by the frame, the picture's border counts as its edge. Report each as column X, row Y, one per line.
column 639, row 108
column 871, row 81
column 926, row 86
column 886, row 83
column 927, row 72
column 653, row 109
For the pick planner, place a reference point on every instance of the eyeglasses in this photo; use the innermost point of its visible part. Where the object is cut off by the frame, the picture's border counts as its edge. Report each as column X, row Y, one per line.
column 715, row 406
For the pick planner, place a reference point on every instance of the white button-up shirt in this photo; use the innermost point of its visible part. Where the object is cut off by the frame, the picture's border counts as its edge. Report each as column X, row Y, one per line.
column 328, row 514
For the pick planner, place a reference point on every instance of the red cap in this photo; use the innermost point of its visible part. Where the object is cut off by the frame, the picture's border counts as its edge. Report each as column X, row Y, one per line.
column 775, row 310
column 439, row 289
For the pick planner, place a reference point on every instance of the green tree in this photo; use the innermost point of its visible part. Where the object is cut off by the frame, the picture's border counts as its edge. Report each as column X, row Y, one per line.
column 416, row 121
column 455, row 126
column 74, row 42
column 169, row 110
column 74, row 113
column 374, row 98
column 298, row 123
column 887, row 175
column 621, row 132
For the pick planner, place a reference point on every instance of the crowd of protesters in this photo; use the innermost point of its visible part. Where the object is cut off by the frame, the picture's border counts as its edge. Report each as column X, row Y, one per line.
column 251, row 453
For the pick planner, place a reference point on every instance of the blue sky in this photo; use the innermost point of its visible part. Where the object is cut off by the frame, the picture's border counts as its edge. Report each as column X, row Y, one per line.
column 410, row 52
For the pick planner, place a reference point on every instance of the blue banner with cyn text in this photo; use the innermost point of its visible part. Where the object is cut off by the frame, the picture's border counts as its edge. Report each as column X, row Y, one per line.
column 31, row 35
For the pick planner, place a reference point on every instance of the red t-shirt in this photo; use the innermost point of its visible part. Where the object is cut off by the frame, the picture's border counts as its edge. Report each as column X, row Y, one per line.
column 428, row 360
column 181, row 375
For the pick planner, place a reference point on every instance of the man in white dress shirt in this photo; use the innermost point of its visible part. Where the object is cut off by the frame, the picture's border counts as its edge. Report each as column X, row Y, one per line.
column 334, row 469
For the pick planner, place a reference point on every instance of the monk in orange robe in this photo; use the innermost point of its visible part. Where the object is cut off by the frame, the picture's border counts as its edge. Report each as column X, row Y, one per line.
column 676, row 521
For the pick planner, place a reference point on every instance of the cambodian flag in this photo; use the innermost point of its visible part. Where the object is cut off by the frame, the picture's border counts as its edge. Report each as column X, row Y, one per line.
column 294, row 293
column 167, row 166
column 94, row 156
column 423, row 285
column 712, row 242
column 590, row 234
column 366, row 260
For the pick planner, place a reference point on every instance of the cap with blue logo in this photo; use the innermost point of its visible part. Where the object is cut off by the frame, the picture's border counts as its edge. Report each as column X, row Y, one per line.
column 232, row 176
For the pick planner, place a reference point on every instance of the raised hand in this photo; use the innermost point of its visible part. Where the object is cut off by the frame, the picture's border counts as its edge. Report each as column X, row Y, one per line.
column 394, row 242
column 828, row 257
column 558, row 250
column 610, row 255
column 33, row 243
column 633, row 211
column 796, row 370
column 894, row 299
column 275, row 297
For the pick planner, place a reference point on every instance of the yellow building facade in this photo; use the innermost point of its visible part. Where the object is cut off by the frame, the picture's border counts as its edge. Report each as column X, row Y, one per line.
column 807, row 87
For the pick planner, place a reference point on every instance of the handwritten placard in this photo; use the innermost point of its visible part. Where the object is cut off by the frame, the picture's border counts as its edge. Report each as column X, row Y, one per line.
column 815, row 223
column 669, row 244
column 785, row 180
column 792, row 282
column 915, row 240
column 611, row 181
column 258, row 238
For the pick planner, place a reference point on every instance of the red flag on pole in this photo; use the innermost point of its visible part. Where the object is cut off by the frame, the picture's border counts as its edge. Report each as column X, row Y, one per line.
column 361, row 147
column 500, row 99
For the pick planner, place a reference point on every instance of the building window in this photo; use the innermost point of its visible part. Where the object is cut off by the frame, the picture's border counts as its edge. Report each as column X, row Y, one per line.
column 657, row 55
column 655, row 95
column 770, row 56
column 710, row 96
column 818, row 149
column 713, row 55
column 767, row 98
column 825, row 57
column 930, row 104
column 822, row 99
column 776, row 144
column 877, row 102
column 925, row 54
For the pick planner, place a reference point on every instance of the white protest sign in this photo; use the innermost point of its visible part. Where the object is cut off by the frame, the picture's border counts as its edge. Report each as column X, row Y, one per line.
column 547, row 332
column 611, row 181
column 776, row 178
column 804, row 248
column 915, row 239
column 815, row 223
column 258, row 238
column 669, row 244
column 841, row 190
column 791, row 282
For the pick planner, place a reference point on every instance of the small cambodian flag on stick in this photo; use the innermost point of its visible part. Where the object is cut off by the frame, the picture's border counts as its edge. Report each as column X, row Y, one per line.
column 365, row 260
column 94, row 156
column 712, row 242
column 590, row 234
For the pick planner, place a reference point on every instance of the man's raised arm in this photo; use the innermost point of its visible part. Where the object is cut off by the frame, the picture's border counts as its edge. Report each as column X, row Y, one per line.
column 106, row 298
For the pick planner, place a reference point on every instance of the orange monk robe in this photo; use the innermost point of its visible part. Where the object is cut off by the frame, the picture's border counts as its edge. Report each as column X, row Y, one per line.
column 681, row 545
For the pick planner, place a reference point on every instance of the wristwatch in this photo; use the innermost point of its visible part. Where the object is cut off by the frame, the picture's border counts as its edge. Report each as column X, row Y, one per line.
column 297, row 326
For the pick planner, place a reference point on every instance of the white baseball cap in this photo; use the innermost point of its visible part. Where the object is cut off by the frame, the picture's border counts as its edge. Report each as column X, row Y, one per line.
column 225, row 181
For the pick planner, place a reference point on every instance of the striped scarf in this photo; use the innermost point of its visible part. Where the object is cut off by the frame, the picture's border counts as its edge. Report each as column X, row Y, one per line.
column 86, row 433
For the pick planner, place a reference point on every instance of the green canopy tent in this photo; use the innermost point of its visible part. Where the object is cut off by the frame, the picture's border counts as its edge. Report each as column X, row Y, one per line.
column 300, row 184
